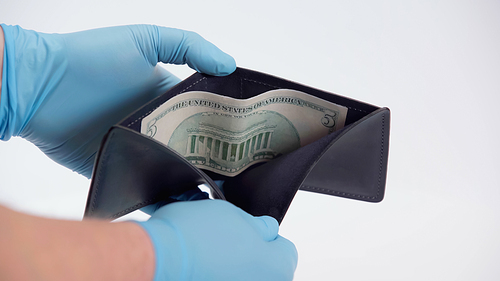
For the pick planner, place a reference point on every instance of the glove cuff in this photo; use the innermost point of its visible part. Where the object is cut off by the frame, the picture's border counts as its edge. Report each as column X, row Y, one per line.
column 29, row 74
column 170, row 250
column 8, row 99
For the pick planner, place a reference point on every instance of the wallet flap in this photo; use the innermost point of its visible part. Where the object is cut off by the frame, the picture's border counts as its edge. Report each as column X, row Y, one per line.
column 133, row 171
column 355, row 163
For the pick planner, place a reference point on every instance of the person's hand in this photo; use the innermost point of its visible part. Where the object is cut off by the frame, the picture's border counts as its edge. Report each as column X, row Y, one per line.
column 215, row 240
column 62, row 92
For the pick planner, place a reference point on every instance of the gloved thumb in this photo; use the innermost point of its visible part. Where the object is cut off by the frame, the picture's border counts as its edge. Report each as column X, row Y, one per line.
column 284, row 249
column 267, row 226
column 180, row 47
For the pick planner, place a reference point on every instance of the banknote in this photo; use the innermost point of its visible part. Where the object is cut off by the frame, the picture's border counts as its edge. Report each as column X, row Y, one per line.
column 227, row 135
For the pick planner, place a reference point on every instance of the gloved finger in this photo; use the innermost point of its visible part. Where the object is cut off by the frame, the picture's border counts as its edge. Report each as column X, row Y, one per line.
column 190, row 195
column 180, row 47
column 150, row 209
column 164, row 79
column 287, row 253
column 267, row 226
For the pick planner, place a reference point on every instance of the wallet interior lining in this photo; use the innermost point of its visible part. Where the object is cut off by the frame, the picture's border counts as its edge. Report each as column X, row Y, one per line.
column 243, row 84
column 268, row 188
column 259, row 189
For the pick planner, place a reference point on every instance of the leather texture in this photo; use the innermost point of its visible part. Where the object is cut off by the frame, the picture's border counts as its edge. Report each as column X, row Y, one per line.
column 133, row 170
column 355, row 163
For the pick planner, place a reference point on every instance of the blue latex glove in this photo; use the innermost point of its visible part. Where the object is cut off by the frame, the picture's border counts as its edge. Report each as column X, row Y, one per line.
column 191, row 195
column 62, row 92
column 215, row 240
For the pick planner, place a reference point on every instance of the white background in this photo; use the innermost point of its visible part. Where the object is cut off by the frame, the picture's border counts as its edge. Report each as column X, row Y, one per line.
column 435, row 64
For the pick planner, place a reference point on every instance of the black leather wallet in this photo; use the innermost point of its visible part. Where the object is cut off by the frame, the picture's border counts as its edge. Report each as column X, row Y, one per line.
column 133, row 170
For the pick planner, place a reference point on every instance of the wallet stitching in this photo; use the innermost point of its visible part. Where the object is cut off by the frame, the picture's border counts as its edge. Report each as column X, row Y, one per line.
column 98, row 177
column 276, row 87
column 338, row 192
column 241, row 87
column 381, row 156
column 355, row 109
column 203, row 78
column 250, row 80
column 153, row 109
column 133, row 208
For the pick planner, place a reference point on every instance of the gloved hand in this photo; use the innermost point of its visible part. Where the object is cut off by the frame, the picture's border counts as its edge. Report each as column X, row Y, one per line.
column 215, row 240
column 62, row 92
